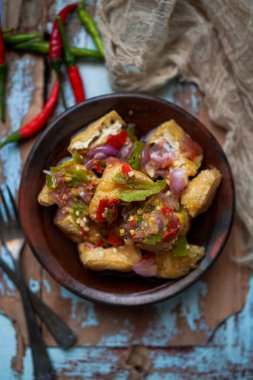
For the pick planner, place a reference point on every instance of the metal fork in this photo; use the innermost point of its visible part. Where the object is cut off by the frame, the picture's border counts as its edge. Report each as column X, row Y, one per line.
column 13, row 239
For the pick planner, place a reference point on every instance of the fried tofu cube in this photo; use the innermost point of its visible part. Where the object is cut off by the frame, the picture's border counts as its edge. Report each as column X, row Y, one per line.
column 65, row 222
column 172, row 267
column 108, row 188
column 121, row 258
column 97, row 133
column 188, row 153
column 44, row 197
column 200, row 191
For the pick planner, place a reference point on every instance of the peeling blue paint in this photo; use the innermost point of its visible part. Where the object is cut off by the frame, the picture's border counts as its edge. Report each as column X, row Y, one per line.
column 89, row 317
column 47, row 285
column 34, row 285
column 8, row 348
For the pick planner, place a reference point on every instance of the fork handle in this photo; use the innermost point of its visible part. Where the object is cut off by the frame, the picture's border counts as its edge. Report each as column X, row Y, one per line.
column 61, row 332
column 43, row 369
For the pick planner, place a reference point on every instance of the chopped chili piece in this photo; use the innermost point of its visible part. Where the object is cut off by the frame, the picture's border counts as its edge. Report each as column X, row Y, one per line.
column 126, row 168
column 170, row 234
column 100, row 243
column 83, row 231
column 113, row 239
column 117, row 140
column 107, row 207
column 166, row 210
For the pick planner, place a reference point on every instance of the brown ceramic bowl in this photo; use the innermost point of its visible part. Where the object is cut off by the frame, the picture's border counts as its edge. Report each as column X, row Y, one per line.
column 59, row 255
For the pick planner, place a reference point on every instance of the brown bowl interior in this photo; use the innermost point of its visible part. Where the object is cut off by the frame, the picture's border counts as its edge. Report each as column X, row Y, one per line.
column 59, row 255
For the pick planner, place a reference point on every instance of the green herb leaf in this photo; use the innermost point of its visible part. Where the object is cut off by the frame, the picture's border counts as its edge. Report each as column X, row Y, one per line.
column 180, row 248
column 135, row 158
column 142, row 194
column 153, row 239
column 51, row 181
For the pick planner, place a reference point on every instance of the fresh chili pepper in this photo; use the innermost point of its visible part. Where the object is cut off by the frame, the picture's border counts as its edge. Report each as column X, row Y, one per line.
column 105, row 206
column 38, row 122
column 91, row 27
column 73, row 72
column 126, row 168
column 100, row 243
column 117, row 140
column 55, row 47
column 3, row 71
column 170, row 234
column 113, row 239
column 42, row 47
column 19, row 38
column 166, row 210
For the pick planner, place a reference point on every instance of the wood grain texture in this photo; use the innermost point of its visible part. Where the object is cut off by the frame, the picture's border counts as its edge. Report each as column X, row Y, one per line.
column 106, row 333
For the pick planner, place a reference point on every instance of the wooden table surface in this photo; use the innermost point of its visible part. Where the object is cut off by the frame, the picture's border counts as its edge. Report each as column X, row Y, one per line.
column 204, row 333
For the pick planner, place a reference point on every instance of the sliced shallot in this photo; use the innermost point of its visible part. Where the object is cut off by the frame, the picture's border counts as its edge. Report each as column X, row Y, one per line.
column 146, row 267
column 178, row 180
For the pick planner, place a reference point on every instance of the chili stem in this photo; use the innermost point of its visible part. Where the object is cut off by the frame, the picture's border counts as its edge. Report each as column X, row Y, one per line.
column 91, row 27
column 56, row 65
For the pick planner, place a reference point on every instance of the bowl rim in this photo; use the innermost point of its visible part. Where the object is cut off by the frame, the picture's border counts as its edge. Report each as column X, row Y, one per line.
column 158, row 294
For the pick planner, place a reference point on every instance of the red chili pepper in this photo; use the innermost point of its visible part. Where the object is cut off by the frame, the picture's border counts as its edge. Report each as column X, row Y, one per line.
column 166, row 210
column 55, row 46
column 126, row 168
column 170, row 234
column 100, row 243
column 107, row 204
column 113, row 239
column 38, row 122
column 117, row 140
column 73, row 72
column 76, row 83
column 2, row 77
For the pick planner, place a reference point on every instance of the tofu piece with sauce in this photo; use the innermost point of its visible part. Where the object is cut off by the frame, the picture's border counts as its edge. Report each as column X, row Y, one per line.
column 200, row 191
column 171, row 132
column 108, row 188
column 121, row 258
column 97, row 133
column 172, row 267
column 64, row 221
column 44, row 197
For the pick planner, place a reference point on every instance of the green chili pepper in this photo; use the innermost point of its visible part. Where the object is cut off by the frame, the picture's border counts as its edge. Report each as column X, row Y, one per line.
column 91, row 27
column 55, row 169
column 153, row 239
column 51, row 181
column 131, row 134
column 19, row 38
column 135, row 158
column 181, row 247
column 42, row 47
column 76, row 177
column 136, row 184
column 79, row 210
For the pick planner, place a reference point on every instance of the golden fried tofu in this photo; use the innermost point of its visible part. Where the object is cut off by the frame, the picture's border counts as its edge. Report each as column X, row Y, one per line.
column 44, row 197
column 97, row 133
column 200, row 191
column 121, row 258
column 188, row 154
column 108, row 188
column 171, row 266
column 65, row 222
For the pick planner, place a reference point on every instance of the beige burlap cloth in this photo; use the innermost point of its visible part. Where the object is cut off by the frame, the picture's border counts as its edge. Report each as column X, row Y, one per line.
column 208, row 42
